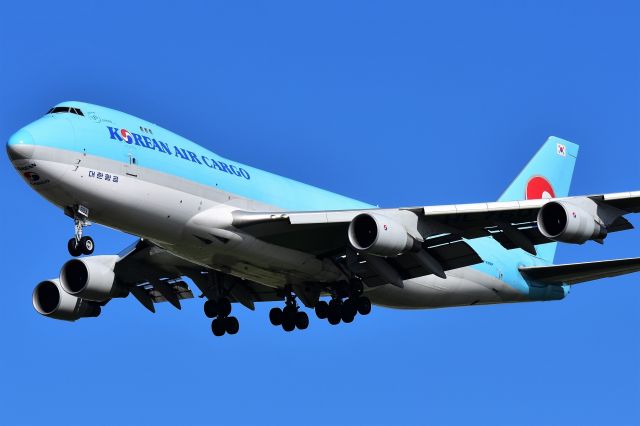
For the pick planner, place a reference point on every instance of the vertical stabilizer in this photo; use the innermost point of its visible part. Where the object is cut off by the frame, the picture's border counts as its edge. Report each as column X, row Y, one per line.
column 547, row 175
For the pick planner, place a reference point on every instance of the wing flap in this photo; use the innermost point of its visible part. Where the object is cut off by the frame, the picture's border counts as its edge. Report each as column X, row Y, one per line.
column 154, row 276
column 576, row 273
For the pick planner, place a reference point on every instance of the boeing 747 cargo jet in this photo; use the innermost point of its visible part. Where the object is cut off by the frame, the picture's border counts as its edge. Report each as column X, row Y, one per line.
column 243, row 235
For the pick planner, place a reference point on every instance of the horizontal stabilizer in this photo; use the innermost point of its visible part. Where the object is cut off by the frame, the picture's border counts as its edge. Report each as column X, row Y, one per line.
column 575, row 273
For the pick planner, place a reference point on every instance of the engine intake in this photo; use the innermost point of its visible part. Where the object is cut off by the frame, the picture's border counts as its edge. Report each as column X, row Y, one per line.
column 569, row 223
column 379, row 235
column 50, row 300
column 92, row 278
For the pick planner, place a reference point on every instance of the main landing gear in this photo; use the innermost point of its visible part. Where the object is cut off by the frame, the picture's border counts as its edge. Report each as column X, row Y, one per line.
column 290, row 317
column 220, row 310
column 78, row 244
column 344, row 310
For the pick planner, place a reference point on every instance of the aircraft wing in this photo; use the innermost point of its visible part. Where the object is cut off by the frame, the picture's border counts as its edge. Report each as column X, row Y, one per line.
column 442, row 230
column 154, row 275
column 576, row 273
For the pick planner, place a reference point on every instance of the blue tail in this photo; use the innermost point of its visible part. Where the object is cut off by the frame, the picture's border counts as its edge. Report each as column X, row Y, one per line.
column 547, row 175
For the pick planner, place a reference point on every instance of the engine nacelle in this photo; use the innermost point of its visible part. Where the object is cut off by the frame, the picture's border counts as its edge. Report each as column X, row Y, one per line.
column 379, row 235
column 568, row 223
column 92, row 278
column 50, row 300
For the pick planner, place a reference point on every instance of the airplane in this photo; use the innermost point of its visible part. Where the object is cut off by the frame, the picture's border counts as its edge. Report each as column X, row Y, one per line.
column 242, row 235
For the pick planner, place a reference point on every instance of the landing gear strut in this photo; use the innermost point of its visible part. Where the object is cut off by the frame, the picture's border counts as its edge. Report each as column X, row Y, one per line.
column 344, row 310
column 220, row 310
column 78, row 244
column 290, row 317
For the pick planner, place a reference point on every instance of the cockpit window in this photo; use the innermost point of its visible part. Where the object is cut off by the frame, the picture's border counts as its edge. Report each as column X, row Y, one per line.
column 71, row 110
column 57, row 110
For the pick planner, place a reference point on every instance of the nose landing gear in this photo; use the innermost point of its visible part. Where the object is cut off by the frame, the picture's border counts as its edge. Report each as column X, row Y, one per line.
column 78, row 244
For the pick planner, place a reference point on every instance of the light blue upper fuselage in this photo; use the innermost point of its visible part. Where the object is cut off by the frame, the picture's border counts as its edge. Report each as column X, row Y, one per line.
column 92, row 133
column 114, row 135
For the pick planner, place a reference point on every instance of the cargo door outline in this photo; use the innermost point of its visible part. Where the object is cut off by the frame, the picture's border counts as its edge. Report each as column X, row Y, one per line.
column 131, row 163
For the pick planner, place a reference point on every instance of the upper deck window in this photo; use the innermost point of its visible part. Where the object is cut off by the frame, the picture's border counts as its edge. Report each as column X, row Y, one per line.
column 71, row 110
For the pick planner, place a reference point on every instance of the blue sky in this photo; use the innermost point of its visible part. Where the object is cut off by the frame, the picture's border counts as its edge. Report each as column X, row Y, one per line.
column 394, row 103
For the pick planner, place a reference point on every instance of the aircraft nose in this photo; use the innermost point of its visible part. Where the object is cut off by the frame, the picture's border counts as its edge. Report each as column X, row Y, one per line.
column 21, row 145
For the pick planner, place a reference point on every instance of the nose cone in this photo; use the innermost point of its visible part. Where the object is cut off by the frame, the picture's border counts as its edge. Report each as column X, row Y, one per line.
column 21, row 145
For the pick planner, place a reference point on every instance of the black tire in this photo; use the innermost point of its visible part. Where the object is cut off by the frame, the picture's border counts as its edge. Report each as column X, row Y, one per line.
column 335, row 304
column 218, row 327
column 364, row 305
column 86, row 245
column 224, row 307
column 288, row 324
column 349, row 309
column 290, row 312
column 74, row 250
column 210, row 309
column 276, row 316
column 347, row 318
column 334, row 318
column 231, row 325
column 322, row 309
column 302, row 320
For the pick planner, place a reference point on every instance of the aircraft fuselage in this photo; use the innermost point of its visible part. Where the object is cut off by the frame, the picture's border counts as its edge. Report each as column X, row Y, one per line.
column 141, row 179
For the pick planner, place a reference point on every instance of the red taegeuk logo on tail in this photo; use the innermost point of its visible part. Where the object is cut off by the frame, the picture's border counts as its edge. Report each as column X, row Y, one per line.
column 539, row 187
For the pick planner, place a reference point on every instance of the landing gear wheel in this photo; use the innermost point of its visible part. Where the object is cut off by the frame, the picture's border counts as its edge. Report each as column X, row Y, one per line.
column 364, row 305
column 276, row 316
column 218, row 327
column 348, row 310
column 322, row 309
column 346, row 318
column 74, row 249
column 224, row 307
column 231, row 325
column 302, row 320
column 288, row 324
column 289, row 317
column 290, row 311
column 334, row 314
column 79, row 244
column 335, row 304
column 210, row 309
column 86, row 245
column 333, row 317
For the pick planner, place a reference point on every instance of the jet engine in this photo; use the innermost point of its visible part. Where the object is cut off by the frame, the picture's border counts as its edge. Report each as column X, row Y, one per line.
column 92, row 278
column 50, row 300
column 568, row 223
column 379, row 235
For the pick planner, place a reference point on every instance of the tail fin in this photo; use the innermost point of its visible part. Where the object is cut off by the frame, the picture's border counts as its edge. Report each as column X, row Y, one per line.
column 547, row 175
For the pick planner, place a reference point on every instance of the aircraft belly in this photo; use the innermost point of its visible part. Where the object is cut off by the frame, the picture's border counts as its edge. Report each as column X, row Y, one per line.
column 462, row 287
